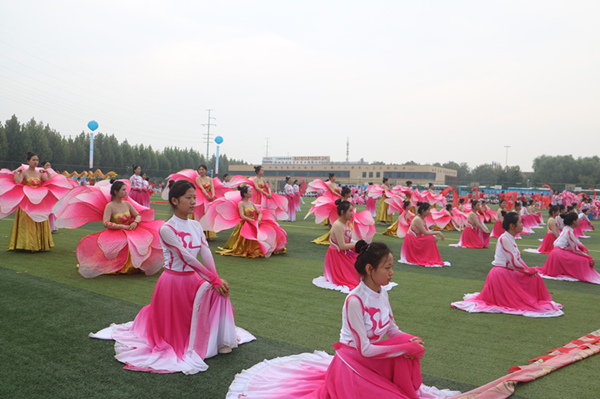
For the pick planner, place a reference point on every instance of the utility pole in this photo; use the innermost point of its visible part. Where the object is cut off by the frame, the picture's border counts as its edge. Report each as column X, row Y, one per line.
column 507, row 147
column 208, row 125
column 267, row 148
column 347, row 149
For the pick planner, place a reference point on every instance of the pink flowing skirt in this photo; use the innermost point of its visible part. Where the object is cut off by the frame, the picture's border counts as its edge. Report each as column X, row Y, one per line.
column 474, row 238
column 528, row 224
column 547, row 244
column 297, row 202
column 353, row 376
column 186, row 322
column 339, row 268
column 291, row 208
column 421, row 251
column 498, row 229
column 137, row 196
column 372, row 206
column 562, row 263
column 585, row 225
column 512, row 292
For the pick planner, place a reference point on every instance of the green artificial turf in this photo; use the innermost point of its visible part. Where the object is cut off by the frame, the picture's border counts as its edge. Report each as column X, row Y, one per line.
column 47, row 309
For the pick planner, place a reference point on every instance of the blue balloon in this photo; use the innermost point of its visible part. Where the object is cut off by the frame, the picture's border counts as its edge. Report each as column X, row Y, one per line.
column 218, row 139
column 93, row 125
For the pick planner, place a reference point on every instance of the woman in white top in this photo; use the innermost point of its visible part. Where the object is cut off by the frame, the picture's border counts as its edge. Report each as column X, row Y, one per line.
column 511, row 287
column 291, row 197
column 365, row 364
column 570, row 260
column 137, row 185
column 190, row 317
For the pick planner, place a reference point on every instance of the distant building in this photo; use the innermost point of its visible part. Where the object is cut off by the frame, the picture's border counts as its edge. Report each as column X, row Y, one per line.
column 352, row 173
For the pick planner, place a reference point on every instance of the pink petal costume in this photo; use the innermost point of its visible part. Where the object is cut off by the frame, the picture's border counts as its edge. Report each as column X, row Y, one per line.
column 584, row 225
column 374, row 192
column 297, row 194
column 324, row 208
column 364, row 365
column 339, row 273
column 511, row 287
column 528, row 222
column 110, row 250
column 546, row 246
column 277, row 203
column 442, row 220
column 137, row 189
column 32, row 200
column 187, row 320
column 202, row 202
column 400, row 227
column 420, row 249
column 249, row 239
column 570, row 260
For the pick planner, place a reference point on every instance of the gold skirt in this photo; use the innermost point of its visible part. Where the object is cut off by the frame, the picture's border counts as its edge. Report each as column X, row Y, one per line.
column 29, row 235
column 324, row 239
column 237, row 245
column 392, row 230
column 382, row 211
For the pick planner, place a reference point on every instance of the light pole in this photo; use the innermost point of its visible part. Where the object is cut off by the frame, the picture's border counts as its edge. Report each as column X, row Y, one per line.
column 507, row 147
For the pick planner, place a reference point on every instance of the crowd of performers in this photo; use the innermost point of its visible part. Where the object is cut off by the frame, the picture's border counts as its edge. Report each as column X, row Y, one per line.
column 190, row 317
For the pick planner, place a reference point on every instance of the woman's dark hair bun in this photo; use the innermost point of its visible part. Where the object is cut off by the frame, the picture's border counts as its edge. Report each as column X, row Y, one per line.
column 503, row 213
column 338, row 201
column 112, row 181
column 171, row 182
column 360, row 246
column 239, row 188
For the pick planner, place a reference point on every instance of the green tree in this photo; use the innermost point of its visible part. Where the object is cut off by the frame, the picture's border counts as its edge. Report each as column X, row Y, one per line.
column 3, row 144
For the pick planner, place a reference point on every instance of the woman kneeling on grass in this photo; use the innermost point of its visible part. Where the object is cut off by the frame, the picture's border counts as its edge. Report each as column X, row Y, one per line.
column 511, row 287
column 570, row 259
column 190, row 317
column 365, row 365
column 419, row 247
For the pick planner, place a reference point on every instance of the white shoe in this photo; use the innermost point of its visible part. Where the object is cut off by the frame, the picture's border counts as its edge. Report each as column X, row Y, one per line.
column 225, row 349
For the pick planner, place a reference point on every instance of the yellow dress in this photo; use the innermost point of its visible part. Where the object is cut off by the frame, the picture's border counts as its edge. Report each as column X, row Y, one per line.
column 324, row 239
column 27, row 234
column 392, row 230
column 237, row 245
column 128, row 268
column 382, row 211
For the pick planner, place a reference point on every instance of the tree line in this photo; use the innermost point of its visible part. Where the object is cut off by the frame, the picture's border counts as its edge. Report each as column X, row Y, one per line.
column 72, row 154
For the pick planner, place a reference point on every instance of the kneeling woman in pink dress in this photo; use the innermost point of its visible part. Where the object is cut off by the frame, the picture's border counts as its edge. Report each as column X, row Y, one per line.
column 552, row 234
column 511, row 287
column 475, row 234
column 190, row 317
column 339, row 273
column 365, row 365
column 570, row 260
column 419, row 247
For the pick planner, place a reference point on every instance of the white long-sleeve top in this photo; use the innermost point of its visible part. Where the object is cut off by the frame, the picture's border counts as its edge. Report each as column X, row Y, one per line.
column 508, row 255
column 288, row 189
column 569, row 242
column 137, row 183
column 296, row 188
column 182, row 240
column 366, row 317
column 145, row 185
column 583, row 216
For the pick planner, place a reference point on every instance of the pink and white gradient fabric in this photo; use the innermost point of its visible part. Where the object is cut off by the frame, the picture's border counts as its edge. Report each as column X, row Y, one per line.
column 339, row 273
column 473, row 237
column 440, row 219
column 511, row 287
column 434, row 199
column 421, row 250
column 569, row 260
column 201, row 201
column 136, row 191
column 107, row 251
column 223, row 214
column 546, row 246
column 37, row 202
column 364, row 366
column 187, row 320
